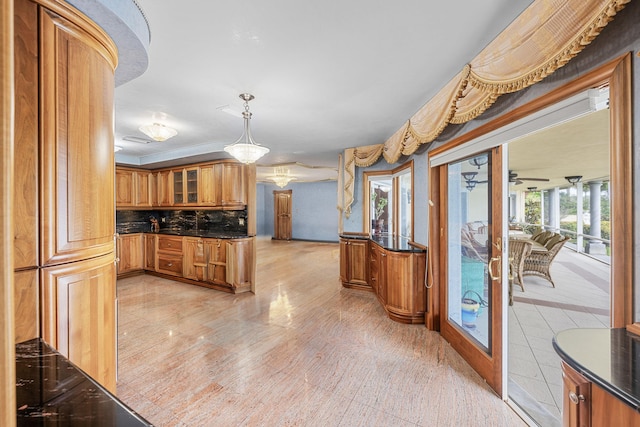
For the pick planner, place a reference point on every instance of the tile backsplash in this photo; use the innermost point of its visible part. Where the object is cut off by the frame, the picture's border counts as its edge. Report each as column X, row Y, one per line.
column 224, row 222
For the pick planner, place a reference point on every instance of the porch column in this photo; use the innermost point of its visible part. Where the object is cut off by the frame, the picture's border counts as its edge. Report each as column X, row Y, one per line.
column 554, row 208
column 595, row 247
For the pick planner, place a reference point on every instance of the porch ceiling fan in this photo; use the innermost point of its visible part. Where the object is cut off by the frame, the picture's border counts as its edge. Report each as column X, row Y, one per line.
column 514, row 179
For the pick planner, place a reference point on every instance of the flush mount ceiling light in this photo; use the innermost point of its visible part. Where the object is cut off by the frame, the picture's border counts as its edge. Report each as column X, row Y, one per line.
column 281, row 177
column 574, row 179
column 245, row 149
column 158, row 132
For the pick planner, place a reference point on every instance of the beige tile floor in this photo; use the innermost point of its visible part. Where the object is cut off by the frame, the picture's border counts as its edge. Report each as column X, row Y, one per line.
column 579, row 300
column 302, row 351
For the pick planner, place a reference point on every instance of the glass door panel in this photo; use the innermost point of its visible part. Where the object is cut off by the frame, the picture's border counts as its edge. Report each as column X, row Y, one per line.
column 469, row 201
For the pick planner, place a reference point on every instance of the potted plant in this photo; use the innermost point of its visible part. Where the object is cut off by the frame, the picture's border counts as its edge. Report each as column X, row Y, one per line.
column 378, row 203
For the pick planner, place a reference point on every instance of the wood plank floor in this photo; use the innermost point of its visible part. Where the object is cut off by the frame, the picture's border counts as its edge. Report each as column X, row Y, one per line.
column 302, row 351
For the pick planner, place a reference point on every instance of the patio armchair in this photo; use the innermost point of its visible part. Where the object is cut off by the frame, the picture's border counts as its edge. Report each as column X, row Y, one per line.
column 538, row 263
column 518, row 251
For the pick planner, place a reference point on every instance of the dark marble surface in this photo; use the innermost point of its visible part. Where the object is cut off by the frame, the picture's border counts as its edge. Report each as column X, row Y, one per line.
column 387, row 241
column 50, row 391
column 609, row 358
column 199, row 223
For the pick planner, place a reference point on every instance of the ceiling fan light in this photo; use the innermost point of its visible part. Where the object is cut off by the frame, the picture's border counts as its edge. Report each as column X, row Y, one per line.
column 158, row 132
column 245, row 149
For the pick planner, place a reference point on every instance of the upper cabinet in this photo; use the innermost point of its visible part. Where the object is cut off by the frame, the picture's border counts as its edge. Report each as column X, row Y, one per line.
column 135, row 188
column 76, row 127
column 221, row 184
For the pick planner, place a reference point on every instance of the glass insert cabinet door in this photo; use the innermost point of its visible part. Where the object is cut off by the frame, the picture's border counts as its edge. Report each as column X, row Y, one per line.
column 474, row 263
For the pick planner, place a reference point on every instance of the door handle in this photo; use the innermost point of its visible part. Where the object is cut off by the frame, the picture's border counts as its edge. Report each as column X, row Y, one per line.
column 491, row 263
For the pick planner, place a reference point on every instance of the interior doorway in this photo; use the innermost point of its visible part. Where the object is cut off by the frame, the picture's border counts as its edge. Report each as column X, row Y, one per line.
column 282, row 216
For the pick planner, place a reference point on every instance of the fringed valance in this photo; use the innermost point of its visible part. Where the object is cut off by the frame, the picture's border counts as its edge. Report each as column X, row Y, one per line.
column 547, row 35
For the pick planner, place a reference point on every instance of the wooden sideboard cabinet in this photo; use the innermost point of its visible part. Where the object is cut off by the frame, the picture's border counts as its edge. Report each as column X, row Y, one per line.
column 354, row 263
column 585, row 404
column 406, row 298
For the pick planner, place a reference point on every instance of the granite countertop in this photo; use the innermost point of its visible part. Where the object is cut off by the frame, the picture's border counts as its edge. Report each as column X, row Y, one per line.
column 50, row 390
column 195, row 233
column 387, row 241
column 609, row 358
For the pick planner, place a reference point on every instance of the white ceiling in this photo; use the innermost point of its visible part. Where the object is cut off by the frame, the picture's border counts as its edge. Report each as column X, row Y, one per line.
column 327, row 75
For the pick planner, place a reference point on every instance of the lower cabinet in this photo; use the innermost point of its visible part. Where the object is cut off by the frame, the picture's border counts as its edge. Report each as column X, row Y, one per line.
column 396, row 277
column 586, row 404
column 354, row 271
column 216, row 250
column 240, row 261
column 150, row 252
column 130, row 250
column 194, row 264
column 78, row 303
column 26, row 304
column 169, row 255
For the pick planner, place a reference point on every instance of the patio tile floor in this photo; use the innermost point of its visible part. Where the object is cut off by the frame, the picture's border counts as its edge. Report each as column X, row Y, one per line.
column 579, row 300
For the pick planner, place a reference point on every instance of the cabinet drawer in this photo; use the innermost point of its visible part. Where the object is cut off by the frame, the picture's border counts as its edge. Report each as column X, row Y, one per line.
column 170, row 244
column 170, row 264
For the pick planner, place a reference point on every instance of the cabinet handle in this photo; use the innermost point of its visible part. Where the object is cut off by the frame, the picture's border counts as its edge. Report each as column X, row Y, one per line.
column 383, row 254
column 170, row 264
column 575, row 398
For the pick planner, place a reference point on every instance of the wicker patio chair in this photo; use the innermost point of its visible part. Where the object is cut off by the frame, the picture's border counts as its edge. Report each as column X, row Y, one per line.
column 538, row 263
column 518, row 251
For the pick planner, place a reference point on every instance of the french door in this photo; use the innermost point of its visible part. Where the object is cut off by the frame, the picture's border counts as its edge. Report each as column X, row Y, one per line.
column 472, row 254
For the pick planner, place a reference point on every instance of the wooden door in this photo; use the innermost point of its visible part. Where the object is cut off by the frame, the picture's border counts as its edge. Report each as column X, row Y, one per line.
column 282, row 215
column 79, row 315
column 472, row 262
column 130, row 253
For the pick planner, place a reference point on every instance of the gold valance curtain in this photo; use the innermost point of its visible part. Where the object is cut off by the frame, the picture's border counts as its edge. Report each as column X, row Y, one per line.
column 547, row 35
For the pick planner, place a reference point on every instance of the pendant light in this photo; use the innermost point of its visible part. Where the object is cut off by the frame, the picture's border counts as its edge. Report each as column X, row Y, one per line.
column 158, row 132
column 245, row 149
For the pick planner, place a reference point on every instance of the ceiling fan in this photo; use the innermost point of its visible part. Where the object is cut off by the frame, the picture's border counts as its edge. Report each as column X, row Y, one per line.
column 513, row 179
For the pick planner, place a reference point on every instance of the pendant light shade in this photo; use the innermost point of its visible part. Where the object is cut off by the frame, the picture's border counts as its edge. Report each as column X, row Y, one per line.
column 245, row 148
column 158, row 132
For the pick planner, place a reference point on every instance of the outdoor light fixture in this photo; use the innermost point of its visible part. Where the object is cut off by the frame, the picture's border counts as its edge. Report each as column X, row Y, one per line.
column 468, row 176
column 158, row 132
column 479, row 160
column 574, row 179
column 245, row 149
column 471, row 185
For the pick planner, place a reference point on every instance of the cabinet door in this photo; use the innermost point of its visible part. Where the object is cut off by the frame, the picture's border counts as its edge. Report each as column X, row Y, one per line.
column 194, row 263
column 26, row 305
column 77, row 159
column 191, row 186
column 239, row 264
column 150, row 252
column 576, row 399
column 124, row 188
column 210, row 185
column 25, row 186
column 406, row 297
column 143, row 185
column 233, row 185
column 358, row 256
column 164, row 182
column 178, row 187
column 130, row 253
column 216, row 250
column 79, row 315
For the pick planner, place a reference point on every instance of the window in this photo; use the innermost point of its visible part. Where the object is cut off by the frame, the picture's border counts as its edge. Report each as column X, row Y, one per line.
column 390, row 195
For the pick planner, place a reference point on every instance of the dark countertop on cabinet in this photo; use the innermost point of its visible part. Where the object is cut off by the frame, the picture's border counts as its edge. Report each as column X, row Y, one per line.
column 50, row 390
column 387, row 241
column 609, row 358
column 197, row 233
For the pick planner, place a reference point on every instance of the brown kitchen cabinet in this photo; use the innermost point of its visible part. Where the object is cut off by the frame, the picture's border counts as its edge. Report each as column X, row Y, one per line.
column 130, row 254
column 150, row 252
column 378, row 272
column 64, row 185
column 134, row 188
column 194, row 264
column 124, row 188
column 241, row 264
column 164, row 186
column 79, row 315
column 354, row 263
column 405, row 291
column 234, row 185
column 210, row 193
column 216, row 250
column 169, row 255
